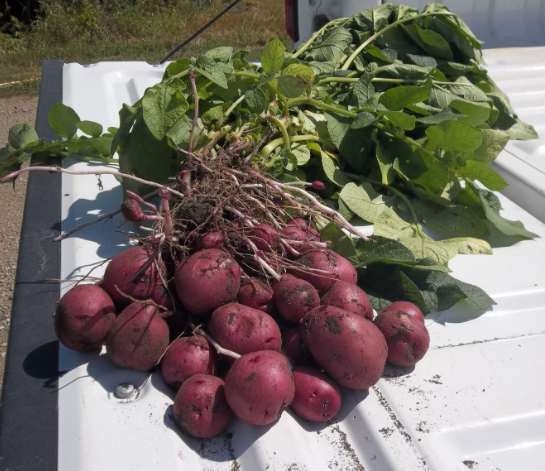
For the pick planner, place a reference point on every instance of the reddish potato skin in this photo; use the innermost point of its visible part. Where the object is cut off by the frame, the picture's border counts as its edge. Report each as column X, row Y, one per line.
column 293, row 233
column 210, row 240
column 406, row 308
column 258, row 295
column 264, row 237
column 200, row 408
column 134, row 273
column 337, row 267
column 138, row 337
column 294, row 346
column 407, row 337
column 259, row 386
column 243, row 329
column 294, row 297
column 317, row 398
column 186, row 357
column 83, row 318
column 349, row 297
column 207, row 280
column 350, row 348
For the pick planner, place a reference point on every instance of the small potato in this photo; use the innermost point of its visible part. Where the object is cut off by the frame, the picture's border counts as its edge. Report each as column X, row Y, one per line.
column 133, row 272
column 349, row 297
column 138, row 338
column 317, row 397
column 407, row 337
column 332, row 266
column 294, row 346
column 186, row 357
column 207, row 280
column 258, row 295
column 406, row 308
column 350, row 348
column 242, row 329
column 83, row 318
column 259, row 386
column 200, row 408
column 294, row 297
column 265, row 237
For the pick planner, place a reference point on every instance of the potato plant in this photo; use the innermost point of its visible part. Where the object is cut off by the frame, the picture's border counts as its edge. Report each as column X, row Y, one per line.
column 261, row 177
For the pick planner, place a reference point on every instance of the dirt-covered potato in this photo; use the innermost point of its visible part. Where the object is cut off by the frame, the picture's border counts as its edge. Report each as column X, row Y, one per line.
column 83, row 318
column 200, row 408
column 349, row 297
column 294, row 297
column 206, row 280
column 404, row 307
column 138, row 338
column 350, row 348
column 317, row 397
column 242, row 329
column 257, row 294
column 133, row 272
column 406, row 335
column 186, row 357
column 259, row 386
column 328, row 267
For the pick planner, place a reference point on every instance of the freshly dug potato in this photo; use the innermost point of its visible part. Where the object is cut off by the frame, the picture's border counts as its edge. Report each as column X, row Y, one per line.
column 258, row 295
column 407, row 337
column 317, row 397
column 350, row 348
column 134, row 272
column 138, row 337
column 349, row 297
column 200, row 408
column 243, row 329
column 333, row 267
column 83, row 318
column 294, row 346
column 265, row 237
column 186, row 357
column 406, row 308
column 209, row 240
column 259, row 386
column 294, row 297
column 207, row 280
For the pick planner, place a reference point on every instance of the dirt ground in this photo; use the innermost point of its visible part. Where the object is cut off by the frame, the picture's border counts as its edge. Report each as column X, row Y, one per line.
column 13, row 110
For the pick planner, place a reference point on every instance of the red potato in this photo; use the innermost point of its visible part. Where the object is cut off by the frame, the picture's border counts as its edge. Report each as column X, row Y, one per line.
column 407, row 337
column 210, row 240
column 83, row 318
column 293, row 233
column 350, row 348
column 317, row 398
column 258, row 295
column 200, row 408
column 207, row 280
column 265, row 237
column 132, row 211
column 294, row 346
column 294, row 297
column 134, row 272
column 406, row 308
column 243, row 329
column 332, row 265
column 186, row 357
column 349, row 297
column 259, row 386
column 138, row 338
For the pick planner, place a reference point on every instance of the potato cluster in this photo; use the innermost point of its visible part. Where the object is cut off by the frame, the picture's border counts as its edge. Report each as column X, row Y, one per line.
column 231, row 344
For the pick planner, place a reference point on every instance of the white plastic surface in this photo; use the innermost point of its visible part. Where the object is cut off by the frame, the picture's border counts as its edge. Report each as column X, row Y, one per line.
column 520, row 72
column 498, row 23
column 475, row 401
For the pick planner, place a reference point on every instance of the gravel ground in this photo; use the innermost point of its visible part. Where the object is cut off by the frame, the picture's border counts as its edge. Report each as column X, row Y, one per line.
column 13, row 110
